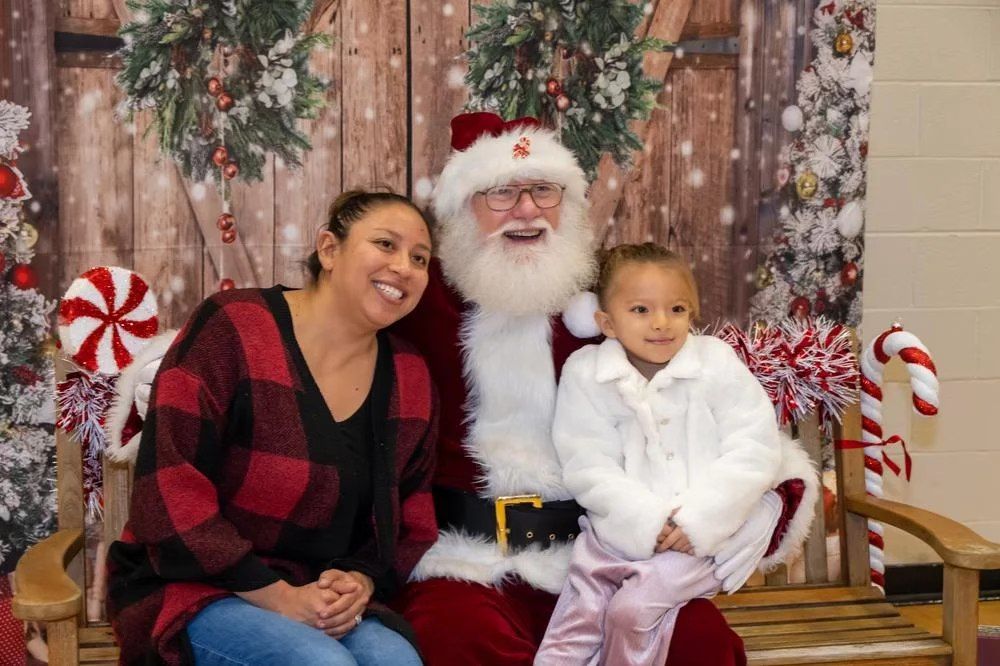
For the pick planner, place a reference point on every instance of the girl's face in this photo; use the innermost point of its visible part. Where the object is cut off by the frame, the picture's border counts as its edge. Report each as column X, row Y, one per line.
column 648, row 310
column 381, row 267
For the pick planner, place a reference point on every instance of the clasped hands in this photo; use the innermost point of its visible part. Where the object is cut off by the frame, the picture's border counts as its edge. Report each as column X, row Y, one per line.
column 330, row 604
column 672, row 537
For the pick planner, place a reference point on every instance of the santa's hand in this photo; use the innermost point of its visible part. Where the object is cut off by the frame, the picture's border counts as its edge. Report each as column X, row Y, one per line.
column 742, row 552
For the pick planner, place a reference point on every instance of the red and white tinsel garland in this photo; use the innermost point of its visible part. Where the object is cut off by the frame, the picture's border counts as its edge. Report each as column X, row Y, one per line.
column 805, row 366
column 83, row 400
column 924, row 382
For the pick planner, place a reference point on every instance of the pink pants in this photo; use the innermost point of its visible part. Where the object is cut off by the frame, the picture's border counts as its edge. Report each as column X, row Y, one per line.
column 621, row 612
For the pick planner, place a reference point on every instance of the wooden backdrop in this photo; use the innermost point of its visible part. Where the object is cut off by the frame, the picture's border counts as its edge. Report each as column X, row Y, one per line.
column 704, row 184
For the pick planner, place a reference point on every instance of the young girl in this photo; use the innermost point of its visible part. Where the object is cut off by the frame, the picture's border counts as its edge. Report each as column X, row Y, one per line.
column 668, row 442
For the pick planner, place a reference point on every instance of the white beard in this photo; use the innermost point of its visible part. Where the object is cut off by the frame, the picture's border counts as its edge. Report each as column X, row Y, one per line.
column 501, row 277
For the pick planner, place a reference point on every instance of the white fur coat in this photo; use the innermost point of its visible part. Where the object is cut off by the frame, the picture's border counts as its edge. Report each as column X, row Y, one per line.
column 700, row 437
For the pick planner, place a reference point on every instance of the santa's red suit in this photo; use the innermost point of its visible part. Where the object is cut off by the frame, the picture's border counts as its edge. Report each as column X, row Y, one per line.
column 469, row 604
column 490, row 328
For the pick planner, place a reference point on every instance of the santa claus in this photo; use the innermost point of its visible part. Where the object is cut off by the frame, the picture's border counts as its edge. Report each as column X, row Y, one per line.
column 506, row 305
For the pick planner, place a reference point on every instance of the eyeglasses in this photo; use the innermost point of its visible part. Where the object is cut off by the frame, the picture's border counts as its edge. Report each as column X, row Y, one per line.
column 504, row 197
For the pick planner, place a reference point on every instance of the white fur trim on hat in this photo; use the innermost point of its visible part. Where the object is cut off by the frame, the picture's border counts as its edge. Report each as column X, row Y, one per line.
column 579, row 315
column 492, row 161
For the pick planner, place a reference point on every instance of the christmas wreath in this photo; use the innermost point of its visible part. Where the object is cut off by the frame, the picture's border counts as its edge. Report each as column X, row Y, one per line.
column 574, row 64
column 226, row 80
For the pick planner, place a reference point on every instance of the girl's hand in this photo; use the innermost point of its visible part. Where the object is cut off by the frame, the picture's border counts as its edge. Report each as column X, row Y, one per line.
column 672, row 537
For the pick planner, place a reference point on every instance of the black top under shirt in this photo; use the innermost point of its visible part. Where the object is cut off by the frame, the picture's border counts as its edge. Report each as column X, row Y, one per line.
column 349, row 447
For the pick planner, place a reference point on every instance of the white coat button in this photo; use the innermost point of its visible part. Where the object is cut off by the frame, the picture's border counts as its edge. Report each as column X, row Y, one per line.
column 670, row 456
column 664, row 421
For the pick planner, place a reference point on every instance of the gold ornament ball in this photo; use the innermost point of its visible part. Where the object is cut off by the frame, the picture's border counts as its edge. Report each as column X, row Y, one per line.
column 28, row 237
column 806, row 185
column 763, row 278
column 548, row 36
column 844, row 43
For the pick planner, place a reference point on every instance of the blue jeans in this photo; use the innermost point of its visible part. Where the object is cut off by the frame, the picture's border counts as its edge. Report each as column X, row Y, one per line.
column 232, row 631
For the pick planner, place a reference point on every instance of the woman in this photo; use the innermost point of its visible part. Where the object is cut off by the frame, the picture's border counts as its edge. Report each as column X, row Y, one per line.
column 287, row 437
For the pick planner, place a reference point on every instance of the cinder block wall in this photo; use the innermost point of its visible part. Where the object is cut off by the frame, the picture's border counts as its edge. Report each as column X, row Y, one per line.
column 933, row 248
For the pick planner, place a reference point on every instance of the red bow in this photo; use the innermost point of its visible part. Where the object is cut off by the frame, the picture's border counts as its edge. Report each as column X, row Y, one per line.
column 895, row 439
column 466, row 128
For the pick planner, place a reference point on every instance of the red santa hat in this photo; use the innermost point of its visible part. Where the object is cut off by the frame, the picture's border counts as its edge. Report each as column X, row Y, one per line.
column 488, row 151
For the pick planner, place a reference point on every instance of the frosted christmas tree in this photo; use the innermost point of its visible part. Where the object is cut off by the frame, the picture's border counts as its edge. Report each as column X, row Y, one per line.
column 27, row 479
column 815, row 265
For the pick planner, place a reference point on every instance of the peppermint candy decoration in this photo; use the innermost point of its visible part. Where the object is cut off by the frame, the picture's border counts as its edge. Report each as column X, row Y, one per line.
column 924, row 382
column 106, row 317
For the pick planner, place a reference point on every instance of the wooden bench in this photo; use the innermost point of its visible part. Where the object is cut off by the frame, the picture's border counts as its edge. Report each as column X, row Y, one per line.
column 823, row 620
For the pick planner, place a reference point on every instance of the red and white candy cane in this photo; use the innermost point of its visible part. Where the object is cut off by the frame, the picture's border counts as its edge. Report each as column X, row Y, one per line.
column 924, row 382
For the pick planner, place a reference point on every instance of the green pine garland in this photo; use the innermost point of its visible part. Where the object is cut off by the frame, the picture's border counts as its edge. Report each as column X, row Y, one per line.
column 588, row 47
column 173, row 48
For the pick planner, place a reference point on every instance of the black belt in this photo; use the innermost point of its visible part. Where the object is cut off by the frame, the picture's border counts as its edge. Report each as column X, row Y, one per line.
column 527, row 519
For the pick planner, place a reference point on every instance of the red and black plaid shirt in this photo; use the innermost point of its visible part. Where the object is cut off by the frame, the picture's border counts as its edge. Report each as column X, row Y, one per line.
column 236, row 485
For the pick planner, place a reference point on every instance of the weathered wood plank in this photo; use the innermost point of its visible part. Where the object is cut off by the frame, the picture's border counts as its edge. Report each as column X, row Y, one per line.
column 851, row 481
column 926, row 652
column 701, row 189
column 798, row 595
column 106, row 27
column 253, row 206
column 961, row 613
column 31, row 81
column 666, row 22
column 302, row 197
column 739, row 616
column 96, row 9
column 437, row 87
column 819, row 626
column 814, row 552
column 167, row 241
column 95, row 174
column 375, row 122
column 820, row 639
column 644, row 212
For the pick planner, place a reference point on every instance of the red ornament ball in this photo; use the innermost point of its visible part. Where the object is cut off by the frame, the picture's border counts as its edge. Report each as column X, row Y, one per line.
column 228, row 236
column 220, row 156
column 230, row 171
column 800, row 307
column 8, row 181
column 225, row 284
column 226, row 222
column 214, row 86
column 849, row 274
column 23, row 276
column 224, row 102
column 553, row 87
column 563, row 102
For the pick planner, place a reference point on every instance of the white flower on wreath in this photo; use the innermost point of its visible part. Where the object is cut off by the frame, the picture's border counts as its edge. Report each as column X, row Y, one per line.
column 826, row 157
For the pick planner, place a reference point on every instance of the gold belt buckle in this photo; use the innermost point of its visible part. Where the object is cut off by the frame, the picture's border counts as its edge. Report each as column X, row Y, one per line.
column 501, row 508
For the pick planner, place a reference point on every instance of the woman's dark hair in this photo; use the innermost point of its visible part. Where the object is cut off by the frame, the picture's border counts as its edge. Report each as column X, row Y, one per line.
column 646, row 253
column 350, row 207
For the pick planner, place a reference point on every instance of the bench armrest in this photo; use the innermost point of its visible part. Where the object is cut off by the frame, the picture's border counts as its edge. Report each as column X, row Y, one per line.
column 44, row 592
column 954, row 543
